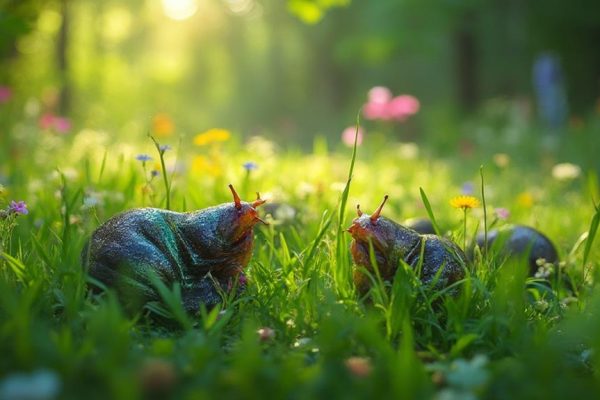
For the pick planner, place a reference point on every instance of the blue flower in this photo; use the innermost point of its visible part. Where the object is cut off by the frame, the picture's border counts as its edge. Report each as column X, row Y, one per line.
column 154, row 173
column 250, row 166
column 467, row 188
column 143, row 157
column 164, row 147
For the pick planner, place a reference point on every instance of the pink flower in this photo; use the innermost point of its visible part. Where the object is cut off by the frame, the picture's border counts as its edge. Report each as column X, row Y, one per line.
column 5, row 94
column 375, row 110
column 502, row 213
column 349, row 133
column 59, row 124
column 382, row 106
column 46, row 121
column 62, row 124
column 402, row 107
column 380, row 94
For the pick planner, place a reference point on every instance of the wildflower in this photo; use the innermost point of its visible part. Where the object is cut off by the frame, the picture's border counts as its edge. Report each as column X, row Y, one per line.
column 46, row 121
column 467, row 188
column 143, row 157
column 379, row 94
column 154, row 173
column 92, row 200
column 349, row 134
column 164, row 147
column 62, row 124
column 525, row 199
column 381, row 105
column 212, row 136
column 464, row 202
column 502, row 213
column 265, row 334
column 18, row 207
column 359, row 366
column 250, row 166
column 501, row 160
column 59, row 124
column 402, row 107
column 201, row 164
column 565, row 171
column 162, row 125
column 408, row 151
column 38, row 385
column 5, row 94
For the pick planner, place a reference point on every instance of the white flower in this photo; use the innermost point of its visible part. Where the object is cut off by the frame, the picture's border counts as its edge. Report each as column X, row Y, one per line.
column 565, row 171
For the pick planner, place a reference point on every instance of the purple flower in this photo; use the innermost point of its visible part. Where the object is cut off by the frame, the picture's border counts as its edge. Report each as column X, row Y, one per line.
column 143, row 157
column 502, row 213
column 154, row 173
column 250, row 166
column 18, row 207
column 164, row 147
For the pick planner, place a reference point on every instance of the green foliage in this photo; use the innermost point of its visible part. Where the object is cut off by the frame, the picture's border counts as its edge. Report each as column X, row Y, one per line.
column 404, row 339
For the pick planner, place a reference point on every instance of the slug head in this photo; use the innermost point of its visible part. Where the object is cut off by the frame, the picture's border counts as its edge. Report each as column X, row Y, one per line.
column 388, row 239
column 237, row 219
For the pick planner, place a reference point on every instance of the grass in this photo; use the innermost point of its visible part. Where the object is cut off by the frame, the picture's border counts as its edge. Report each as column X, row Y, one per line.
column 503, row 335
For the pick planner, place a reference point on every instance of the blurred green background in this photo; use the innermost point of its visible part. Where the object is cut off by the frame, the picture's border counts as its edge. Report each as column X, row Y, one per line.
column 297, row 68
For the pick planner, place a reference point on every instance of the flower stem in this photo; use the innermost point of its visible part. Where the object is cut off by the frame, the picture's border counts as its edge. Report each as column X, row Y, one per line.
column 164, row 171
column 465, row 228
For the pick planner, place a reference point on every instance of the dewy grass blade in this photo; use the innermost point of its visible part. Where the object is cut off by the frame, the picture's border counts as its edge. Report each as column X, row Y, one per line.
column 427, row 205
column 341, row 253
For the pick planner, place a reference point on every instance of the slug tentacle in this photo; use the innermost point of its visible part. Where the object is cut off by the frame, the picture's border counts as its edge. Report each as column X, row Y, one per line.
column 236, row 198
column 258, row 201
column 358, row 211
column 377, row 212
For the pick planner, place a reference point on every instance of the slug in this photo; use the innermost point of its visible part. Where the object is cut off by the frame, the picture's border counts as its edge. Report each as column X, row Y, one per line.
column 204, row 251
column 394, row 243
column 521, row 243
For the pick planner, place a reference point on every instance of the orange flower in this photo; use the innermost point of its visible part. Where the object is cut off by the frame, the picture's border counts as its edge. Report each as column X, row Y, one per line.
column 162, row 125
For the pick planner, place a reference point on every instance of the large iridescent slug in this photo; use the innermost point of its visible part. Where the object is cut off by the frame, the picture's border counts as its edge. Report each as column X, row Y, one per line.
column 393, row 243
column 205, row 251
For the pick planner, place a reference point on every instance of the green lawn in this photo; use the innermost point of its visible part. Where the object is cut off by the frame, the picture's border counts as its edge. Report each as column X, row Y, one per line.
column 501, row 335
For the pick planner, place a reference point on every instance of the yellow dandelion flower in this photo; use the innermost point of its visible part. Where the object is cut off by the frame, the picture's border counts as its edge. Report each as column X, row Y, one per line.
column 525, row 199
column 204, row 165
column 212, row 136
column 162, row 125
column 464, row 202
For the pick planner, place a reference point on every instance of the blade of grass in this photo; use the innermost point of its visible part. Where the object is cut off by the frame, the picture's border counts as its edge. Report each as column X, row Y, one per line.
column 427, row 205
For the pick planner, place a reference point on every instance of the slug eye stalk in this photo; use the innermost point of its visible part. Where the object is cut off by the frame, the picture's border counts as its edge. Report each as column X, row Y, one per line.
column 236, row 198
column 377, row 212
column 258, row 201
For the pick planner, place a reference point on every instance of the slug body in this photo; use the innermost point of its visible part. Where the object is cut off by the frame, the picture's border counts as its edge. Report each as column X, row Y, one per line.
column 203, row 251
column 393, row 243
column 521, row 243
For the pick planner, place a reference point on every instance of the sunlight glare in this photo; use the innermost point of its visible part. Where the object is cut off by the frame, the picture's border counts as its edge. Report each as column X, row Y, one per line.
column 180, row 9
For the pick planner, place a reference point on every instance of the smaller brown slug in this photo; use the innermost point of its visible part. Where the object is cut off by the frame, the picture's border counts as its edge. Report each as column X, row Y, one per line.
column 393, row 243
